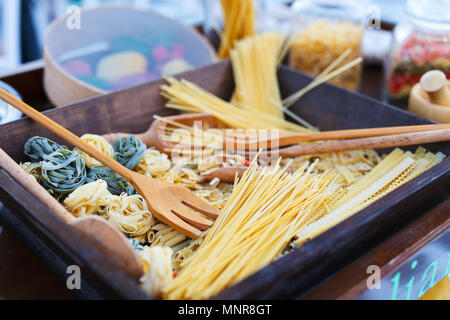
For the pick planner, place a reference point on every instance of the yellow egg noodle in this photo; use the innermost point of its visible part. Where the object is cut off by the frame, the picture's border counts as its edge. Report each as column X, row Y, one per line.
column 238, row 16
column 154, row 163
column 395, row 170
column 157, row 265
column 88, row 199
column 100, row 144
column 32, row 168
column 130, row 214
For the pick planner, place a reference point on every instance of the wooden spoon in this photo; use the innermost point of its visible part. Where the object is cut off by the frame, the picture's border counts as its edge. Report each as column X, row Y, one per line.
column 267, row 139
column 108, row 239
column 396, row 140
column 153, row 136
column 172, row 204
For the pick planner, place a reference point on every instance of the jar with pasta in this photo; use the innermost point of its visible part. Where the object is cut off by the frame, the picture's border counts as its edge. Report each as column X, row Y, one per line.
column 323, row 31
column 421, row 43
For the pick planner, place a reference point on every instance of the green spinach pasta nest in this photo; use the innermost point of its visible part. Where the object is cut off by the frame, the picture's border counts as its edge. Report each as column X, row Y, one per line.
column 116, row 183
column 63, row 171
column 38, row 147
column 129, row 151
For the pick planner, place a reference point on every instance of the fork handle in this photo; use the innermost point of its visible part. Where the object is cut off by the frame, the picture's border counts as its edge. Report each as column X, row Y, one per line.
column 288, row 138
column 391, row 141
column 65, row 134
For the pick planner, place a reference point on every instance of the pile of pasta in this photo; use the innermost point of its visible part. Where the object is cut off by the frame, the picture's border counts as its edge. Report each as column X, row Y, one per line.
column 86, row 187
column 267, row 213
column 272, row 211
column 276, row 206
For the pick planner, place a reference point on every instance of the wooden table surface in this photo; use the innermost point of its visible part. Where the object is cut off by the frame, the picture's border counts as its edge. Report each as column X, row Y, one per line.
column 22, row 274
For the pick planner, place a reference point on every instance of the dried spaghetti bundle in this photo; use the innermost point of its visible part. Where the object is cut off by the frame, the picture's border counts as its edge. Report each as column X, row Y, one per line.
column 238, row 23
column 187, row 96
column 265, row 211
column 33, row 169
column 255, row 64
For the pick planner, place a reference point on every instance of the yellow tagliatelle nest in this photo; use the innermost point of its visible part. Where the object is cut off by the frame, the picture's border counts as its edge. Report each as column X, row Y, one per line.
column 33, row 169
column 154, row 163
column 157, row 265
column 130, row 214
column 98, row 143
column 88, row 199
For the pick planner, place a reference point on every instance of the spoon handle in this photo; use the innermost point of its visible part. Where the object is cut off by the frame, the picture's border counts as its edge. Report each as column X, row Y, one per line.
column 65, row 134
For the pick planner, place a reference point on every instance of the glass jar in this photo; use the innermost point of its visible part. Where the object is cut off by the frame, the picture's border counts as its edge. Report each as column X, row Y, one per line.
column 322, row 31
column 421, row 43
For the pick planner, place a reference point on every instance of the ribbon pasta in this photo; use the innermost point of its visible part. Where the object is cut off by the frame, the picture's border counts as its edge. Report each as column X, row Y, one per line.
column 157, row 264
column 130, row 214
column 88, row 199
column 98, row 143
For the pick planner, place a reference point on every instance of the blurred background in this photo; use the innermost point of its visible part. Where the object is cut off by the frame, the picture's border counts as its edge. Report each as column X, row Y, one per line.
column 23, row 22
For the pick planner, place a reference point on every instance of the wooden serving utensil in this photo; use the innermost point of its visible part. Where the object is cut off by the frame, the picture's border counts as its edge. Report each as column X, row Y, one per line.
column 172, row 204
column 391, row 141
column 153, row 136
column 240, row 143
column 247, row 141
column 430, row 98
column 108, row 239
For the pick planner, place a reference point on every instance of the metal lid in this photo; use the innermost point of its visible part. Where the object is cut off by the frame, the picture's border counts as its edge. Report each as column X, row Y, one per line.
column 8, row 113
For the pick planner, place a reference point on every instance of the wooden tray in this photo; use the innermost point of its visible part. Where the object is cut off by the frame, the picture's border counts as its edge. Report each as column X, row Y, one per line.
column 328, row 107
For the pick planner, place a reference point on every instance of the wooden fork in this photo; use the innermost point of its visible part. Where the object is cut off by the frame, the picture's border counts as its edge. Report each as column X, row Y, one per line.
column 171, row 204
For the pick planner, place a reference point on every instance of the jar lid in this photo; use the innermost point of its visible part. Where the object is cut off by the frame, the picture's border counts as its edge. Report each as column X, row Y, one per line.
column 8, row 113
column 429, row 15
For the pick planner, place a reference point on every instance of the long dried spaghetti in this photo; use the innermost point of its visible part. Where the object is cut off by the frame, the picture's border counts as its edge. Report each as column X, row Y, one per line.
column 238, row 23
column 266, row 209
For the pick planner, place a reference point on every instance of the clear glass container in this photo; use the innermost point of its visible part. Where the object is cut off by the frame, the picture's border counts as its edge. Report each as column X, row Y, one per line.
column 421, row 43
column 322, row 31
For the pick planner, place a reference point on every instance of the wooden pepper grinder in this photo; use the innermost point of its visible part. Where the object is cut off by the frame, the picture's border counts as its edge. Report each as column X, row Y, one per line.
column 430, row 98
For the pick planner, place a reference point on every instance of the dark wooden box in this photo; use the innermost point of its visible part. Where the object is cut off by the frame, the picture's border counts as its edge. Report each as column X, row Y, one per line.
column 132, row 110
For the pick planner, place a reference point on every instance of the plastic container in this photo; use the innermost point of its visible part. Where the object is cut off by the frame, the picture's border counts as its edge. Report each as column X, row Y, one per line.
column 322, row 31
column 421, row 43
